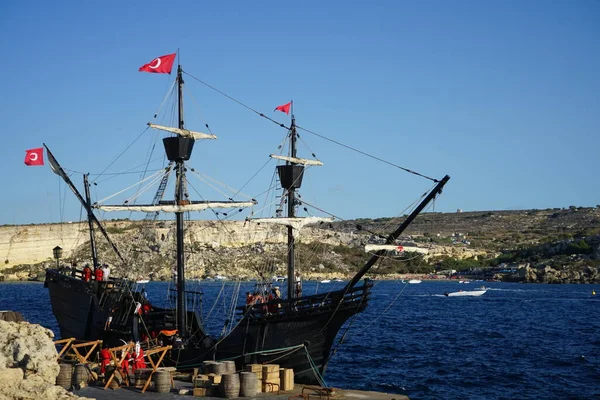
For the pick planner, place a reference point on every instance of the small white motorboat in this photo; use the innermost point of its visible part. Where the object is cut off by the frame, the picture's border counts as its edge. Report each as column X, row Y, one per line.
column 414, row 281
column 466, row 293
column 143, row 281
column 325, row 281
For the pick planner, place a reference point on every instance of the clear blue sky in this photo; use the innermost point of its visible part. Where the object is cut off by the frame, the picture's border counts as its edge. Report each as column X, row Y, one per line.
column 504, row 96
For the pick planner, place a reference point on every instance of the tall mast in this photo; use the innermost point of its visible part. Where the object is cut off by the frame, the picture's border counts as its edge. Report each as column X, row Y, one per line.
column 290, row 176
column 291, row 200
column 179, row 191
column 90, row 219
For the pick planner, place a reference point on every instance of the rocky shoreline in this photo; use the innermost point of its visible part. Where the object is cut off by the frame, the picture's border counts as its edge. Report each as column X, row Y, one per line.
column 28, row 366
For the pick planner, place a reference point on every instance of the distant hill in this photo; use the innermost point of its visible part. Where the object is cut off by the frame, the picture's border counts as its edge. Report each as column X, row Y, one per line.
column 559, row 239
column 493, row 230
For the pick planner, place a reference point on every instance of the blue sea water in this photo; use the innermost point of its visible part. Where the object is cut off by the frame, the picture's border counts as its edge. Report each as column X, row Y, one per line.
column 517, row 341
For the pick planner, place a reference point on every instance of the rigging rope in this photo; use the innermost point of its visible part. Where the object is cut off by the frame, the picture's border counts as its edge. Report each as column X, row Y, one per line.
column 311, row 132
column 123, row 152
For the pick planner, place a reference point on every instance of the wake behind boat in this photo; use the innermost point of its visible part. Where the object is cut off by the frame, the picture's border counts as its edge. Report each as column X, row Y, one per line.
column 294, row 330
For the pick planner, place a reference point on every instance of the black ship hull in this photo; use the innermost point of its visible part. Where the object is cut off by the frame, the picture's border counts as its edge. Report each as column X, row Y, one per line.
column 299, row 335
column 75, row 306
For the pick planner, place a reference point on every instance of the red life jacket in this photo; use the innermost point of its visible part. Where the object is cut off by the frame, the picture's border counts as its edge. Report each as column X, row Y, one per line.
column 87, row 274
column 98, row 274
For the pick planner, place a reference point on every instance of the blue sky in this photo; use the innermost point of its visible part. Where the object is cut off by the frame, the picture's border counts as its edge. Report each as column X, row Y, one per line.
column 501, row 95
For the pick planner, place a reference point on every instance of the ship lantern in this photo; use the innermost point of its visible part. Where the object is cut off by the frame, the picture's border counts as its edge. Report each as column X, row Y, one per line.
column 57, row 251
column 290, row 176
column 178, row 148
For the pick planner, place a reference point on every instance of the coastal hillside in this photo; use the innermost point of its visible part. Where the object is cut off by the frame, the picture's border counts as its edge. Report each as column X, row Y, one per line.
column 519, row 241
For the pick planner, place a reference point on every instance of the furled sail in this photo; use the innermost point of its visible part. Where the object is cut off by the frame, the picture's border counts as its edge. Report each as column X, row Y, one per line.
column 297, row 160
column 296, row 223
column 393, row 247
column 183, row 132
column 175, row 208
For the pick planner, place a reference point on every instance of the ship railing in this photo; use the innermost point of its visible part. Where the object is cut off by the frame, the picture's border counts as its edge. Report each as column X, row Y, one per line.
column 113, row 291
column 318, row 302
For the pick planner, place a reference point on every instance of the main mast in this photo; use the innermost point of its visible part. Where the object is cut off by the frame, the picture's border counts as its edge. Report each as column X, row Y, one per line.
column 179, row 149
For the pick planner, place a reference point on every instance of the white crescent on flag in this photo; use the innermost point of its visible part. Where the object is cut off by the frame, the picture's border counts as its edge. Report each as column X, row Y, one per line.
column 33, row 156
column 157, row 61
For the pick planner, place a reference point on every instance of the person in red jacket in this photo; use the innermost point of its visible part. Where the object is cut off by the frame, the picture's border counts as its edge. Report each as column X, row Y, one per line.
column 138, row 360
column 87, row 273
column 127, row 363
column 98, row 274
column 105, row 358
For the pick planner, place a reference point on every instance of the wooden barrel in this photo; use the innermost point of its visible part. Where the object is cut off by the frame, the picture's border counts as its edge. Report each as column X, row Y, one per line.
column 117, row 378
column 248, row 384
column 229, row 367
column 65, row 375
column 230, row 386
column 141, row 376
column 207, row 366
column 219, row 368
column 82, row 374
column 162, row 381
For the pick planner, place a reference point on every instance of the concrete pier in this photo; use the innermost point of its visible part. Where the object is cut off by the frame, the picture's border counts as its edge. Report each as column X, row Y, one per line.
column 128, row 393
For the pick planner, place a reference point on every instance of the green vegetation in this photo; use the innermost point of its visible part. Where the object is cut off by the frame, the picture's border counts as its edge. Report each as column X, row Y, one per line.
column 115, row 230
column 461, row 265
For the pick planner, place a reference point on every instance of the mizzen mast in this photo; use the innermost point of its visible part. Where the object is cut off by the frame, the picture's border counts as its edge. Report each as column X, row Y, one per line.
column 290, row 176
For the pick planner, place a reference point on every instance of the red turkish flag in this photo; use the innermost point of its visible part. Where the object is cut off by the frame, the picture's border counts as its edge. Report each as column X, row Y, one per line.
column 34, row 156
column 160, row 65
column 284, row 108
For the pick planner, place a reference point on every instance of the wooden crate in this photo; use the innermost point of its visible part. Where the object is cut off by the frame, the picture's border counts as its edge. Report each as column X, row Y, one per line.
column 202, row 382
column 256, row 368
column 270, row 374
column 214, row 378
column 286, row 378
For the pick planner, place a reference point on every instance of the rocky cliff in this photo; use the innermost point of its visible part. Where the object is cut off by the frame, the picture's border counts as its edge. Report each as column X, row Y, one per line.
column 244, row 249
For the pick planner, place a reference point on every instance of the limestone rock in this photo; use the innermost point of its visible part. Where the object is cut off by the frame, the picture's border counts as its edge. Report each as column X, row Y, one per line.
column 28, row 367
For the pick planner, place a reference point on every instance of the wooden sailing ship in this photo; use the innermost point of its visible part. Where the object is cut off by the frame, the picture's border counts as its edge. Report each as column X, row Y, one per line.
column 298, row 332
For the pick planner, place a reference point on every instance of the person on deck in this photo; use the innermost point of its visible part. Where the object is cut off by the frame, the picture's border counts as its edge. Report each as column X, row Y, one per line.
column 87, row 273
column 104, row 358
column 105, row 272
column 272, row 304
column 98, row 274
